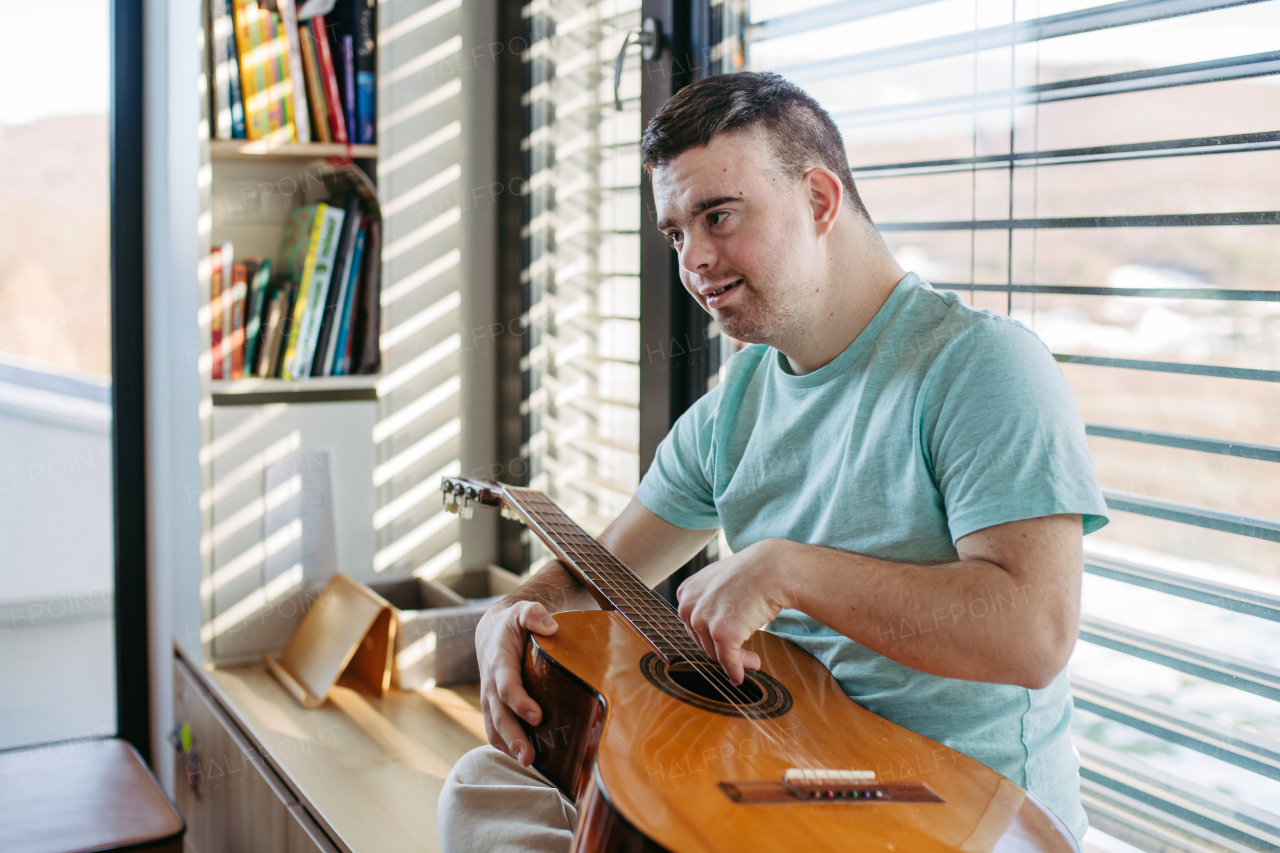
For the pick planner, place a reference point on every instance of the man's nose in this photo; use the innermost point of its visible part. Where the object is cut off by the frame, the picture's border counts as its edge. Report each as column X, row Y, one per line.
column 698, row 254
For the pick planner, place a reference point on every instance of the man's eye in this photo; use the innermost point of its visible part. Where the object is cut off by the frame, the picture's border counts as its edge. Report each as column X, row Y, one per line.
column 674, row 237
column 717, row 217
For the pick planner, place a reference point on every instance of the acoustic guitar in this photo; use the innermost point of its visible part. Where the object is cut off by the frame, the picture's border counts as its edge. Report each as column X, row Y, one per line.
column 661, row 752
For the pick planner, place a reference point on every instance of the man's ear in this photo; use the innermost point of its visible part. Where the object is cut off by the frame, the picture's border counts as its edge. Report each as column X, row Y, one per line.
column 826, row 197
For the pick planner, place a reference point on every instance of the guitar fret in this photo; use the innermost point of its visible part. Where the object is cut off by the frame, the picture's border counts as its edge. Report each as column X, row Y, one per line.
column 652, row 616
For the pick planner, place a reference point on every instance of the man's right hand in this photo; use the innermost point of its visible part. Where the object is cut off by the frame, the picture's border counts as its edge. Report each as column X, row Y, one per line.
column 500, row 642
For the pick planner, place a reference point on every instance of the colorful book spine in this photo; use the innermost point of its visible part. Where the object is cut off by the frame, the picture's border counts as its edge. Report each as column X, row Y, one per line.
column 215, row 312
column 286, row 79
column 305, row 275
column 315, row 88
column 366, row 68
column 286, row 328
column 333, row 100
column 239, row 285
column 337, row 365
column 366, row 355
column 298, row 89
column 228, row 255
column 317, row 293
column 269, row 351
column 252, row 74
column 366, row 91
column 232, row 59
column 217, row 28
column 271, row 70
column 254, row 324
column 349, row 84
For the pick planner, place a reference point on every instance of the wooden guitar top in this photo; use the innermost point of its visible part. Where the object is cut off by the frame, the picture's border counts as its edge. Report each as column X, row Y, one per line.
column 660, row 760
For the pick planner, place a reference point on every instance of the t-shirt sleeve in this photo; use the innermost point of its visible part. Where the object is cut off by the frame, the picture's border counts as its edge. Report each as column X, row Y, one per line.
column 1004, row 438
column 677, row 487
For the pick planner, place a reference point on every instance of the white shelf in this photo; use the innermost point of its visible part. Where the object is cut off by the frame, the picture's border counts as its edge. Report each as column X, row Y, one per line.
column 237, row 149
column 321, row 389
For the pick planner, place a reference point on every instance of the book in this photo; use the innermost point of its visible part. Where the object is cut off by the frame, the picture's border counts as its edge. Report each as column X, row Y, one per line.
column 215, row 311
column 298, row 89
column 278, row 323
column 231, row 57
column 270, row 331
column 227, row 253
column 286, row 78
column 366, row 71
column 366, row 355
column 346, row 248
column 349, row 84
column 239, row 284
column 254, row 319
column 271, row 68
column 355, row 19
column 309, row 311
column 315, row 88
column 342, row 322
column 220, row 90
column 333, row 100
column 297, row 262
column 252, row 77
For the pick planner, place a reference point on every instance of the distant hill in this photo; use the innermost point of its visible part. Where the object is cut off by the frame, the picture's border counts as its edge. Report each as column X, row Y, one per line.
column 54, row 254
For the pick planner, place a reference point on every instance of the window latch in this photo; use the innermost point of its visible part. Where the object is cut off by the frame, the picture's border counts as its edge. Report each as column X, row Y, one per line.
column 649, row 37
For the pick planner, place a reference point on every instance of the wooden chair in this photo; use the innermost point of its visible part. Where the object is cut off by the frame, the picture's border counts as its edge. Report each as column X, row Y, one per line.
column 85, row 795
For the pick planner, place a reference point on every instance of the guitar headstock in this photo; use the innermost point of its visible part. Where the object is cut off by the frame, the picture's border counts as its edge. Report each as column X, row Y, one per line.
column 462, row 493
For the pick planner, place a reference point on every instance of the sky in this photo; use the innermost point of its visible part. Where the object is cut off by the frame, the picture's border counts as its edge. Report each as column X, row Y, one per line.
column 59, row 65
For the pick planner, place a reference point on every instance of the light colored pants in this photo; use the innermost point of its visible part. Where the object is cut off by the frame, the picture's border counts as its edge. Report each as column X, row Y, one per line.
column 492, row 804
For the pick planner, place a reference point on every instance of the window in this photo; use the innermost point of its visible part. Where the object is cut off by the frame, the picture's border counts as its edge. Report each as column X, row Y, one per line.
column 57, row 650
column 1109, row 175
column 582, row 258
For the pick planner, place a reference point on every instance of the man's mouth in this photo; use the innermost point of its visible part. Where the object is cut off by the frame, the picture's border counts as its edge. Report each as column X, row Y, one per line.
column 711, row 294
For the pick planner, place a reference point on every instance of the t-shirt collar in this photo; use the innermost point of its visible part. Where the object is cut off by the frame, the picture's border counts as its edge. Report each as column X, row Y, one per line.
column 860, row 345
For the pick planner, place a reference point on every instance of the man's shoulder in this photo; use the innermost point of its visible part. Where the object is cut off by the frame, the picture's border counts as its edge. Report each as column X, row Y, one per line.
column 939, row 322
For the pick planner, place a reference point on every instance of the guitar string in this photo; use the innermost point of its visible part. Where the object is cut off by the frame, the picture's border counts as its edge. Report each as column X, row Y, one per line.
column 648, row 607
column 616, row 576
column 558, row 528
column 709, row 669
column 611, row 579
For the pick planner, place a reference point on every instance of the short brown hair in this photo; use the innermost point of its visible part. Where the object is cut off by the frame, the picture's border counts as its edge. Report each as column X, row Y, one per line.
column 800, row 131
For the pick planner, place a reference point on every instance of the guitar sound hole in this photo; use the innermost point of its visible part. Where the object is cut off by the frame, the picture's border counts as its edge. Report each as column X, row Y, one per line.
column 705, row 686
column 711, row 683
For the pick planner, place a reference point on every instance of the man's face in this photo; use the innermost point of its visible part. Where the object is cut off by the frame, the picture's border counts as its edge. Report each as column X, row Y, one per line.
column 744, row 234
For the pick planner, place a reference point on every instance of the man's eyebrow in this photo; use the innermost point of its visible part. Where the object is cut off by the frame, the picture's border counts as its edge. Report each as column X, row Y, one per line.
column 701, row 207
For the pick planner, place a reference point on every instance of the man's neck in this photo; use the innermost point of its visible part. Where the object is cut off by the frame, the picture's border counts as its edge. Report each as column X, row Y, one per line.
column 854, row 291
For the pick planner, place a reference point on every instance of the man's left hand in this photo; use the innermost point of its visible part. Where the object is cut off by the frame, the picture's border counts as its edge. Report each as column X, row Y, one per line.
column 729, row 600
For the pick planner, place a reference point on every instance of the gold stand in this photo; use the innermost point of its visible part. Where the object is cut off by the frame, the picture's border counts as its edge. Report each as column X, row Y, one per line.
column 349, row 633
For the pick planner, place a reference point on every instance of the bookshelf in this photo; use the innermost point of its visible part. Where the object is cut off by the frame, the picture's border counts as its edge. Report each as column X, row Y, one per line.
column 321, row 389
column 288, row 465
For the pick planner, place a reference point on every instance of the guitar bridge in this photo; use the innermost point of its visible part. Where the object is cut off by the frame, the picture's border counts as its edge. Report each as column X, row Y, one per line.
column 829, row 786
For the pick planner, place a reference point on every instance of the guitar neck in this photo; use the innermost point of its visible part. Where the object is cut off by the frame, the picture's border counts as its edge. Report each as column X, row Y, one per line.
column 610, row 582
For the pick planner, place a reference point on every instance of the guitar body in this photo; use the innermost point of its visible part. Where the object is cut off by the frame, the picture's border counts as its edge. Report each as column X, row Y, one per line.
column 642, row 754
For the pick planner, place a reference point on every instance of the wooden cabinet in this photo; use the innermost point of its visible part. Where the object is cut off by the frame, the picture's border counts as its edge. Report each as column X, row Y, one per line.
column 232, row 800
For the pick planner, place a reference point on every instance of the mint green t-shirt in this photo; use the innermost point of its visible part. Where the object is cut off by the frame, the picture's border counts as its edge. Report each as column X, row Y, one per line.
column 938, row 420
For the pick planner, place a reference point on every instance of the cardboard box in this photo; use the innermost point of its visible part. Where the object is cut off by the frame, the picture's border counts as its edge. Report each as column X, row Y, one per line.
column 436, row 640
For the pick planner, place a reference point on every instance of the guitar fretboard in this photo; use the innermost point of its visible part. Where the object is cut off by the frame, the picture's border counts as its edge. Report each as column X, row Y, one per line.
column 612, row 584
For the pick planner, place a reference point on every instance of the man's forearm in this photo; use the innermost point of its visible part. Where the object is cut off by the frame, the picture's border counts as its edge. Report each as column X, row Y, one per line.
column 971, row 619
column 555, row 588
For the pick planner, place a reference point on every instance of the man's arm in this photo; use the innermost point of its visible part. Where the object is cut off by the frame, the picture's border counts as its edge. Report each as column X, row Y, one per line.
column 648, row 545
column 1009, row 607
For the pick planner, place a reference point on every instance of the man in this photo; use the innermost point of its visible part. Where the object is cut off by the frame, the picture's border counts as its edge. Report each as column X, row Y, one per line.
column 904, row 481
